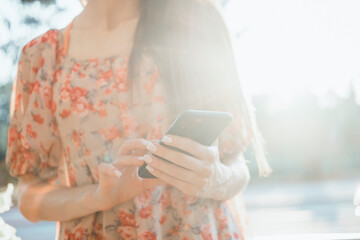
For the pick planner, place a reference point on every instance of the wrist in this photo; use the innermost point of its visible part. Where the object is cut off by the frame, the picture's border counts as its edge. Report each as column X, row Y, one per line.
column 93, row 199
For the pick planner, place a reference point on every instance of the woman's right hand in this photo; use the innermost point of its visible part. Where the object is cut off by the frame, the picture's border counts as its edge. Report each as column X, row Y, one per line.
column 119, row 181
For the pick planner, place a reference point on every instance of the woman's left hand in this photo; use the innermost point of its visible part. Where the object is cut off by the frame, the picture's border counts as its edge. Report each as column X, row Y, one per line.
column 199, row 175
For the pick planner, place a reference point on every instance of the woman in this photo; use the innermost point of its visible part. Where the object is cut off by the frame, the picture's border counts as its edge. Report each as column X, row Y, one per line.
column 90, row 103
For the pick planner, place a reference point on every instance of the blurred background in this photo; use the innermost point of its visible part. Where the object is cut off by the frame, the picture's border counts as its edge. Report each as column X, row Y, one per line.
column 299, row 61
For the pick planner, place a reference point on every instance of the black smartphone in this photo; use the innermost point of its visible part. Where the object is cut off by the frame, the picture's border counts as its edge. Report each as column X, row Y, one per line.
column 199, row 125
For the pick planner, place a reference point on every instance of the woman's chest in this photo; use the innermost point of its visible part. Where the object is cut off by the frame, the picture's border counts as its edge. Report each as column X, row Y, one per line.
column 95, row 96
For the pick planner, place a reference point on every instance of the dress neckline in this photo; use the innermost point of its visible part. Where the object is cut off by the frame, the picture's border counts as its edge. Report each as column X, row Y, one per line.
column 65, row 39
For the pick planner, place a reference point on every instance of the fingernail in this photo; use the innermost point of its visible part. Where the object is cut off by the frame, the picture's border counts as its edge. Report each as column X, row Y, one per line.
column 151, row 147
column 151, row 169
column 117, row 173
column 146, row 158
column 167, row 139
column 141, row 158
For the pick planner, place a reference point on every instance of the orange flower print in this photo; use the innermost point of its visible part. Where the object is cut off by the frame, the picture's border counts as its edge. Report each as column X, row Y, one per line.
column 206, row 232
column 24, row 141
column 162, row 219
column 187, row 226
column 220, row 218
column 146, row 211
column 30, row 132
column 76, row 67
column 47, row 95
column 42, row 61
column 35, row 70
column 126, row 232
column 98, row 232
column 121, row 78
column 99, row 107
column 12, row 135
column 34, row 87
column 77, row 92
column 155, row 132
column 50, row 37
column 144, row 198
column 87, row 152
column 124, row 106
column 53, row 107
column 71, row 169
column 79, row 103
column 76, row 139
column 36, row 104
column 128, row 125
column 102, row 112
column 65, row 90
column 174, row 231
column 65, row 113
column 37, row 118
column 236, row 235
column 76, row 234
column 165, row 200
column 147, row 235
column 30, row 44
column 104, row 78
column 126, row 219
column 17, row 102
column 110, row 133
column 108, row 90
column 28, row 157
column 94, row 61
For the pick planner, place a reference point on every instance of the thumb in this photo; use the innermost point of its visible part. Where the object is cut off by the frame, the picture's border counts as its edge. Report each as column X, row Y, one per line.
column 127, row 160
column 109, row 170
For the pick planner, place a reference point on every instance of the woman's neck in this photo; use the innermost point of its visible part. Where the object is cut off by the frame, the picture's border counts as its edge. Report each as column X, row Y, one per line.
column 106, row 14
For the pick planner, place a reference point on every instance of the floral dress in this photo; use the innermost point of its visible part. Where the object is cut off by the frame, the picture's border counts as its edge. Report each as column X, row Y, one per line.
column 69, row 115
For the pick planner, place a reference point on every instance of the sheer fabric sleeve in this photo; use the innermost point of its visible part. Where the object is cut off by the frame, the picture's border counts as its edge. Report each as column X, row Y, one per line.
column 33, row 143
column 236, row 137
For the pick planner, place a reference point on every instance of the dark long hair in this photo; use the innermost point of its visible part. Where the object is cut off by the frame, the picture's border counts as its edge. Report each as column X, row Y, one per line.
column 192, row 49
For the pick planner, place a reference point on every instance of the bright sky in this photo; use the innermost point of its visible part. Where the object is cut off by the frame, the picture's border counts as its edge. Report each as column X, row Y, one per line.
column 288, row 47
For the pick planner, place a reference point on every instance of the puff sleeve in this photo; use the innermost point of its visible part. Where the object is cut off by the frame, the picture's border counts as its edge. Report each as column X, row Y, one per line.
column 236, row 137
column 33, row 143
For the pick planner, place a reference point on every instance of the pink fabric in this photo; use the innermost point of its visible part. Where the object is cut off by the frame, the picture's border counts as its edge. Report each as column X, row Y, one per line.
column 69, row 115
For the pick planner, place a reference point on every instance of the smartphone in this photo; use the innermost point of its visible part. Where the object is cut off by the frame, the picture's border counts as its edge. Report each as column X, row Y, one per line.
column 199, row 125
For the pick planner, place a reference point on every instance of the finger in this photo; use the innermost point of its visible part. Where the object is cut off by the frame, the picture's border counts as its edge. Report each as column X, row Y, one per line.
column 154, row 141
column 108, row 170
column 127, row 160
column 178, row 158
column 137, row 144
column 183, row 186
column 188, row 145
column 175, row 170
column 149, row 183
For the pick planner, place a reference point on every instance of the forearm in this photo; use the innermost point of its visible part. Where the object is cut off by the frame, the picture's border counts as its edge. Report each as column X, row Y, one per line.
column 236, row 179
column 45, row 201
